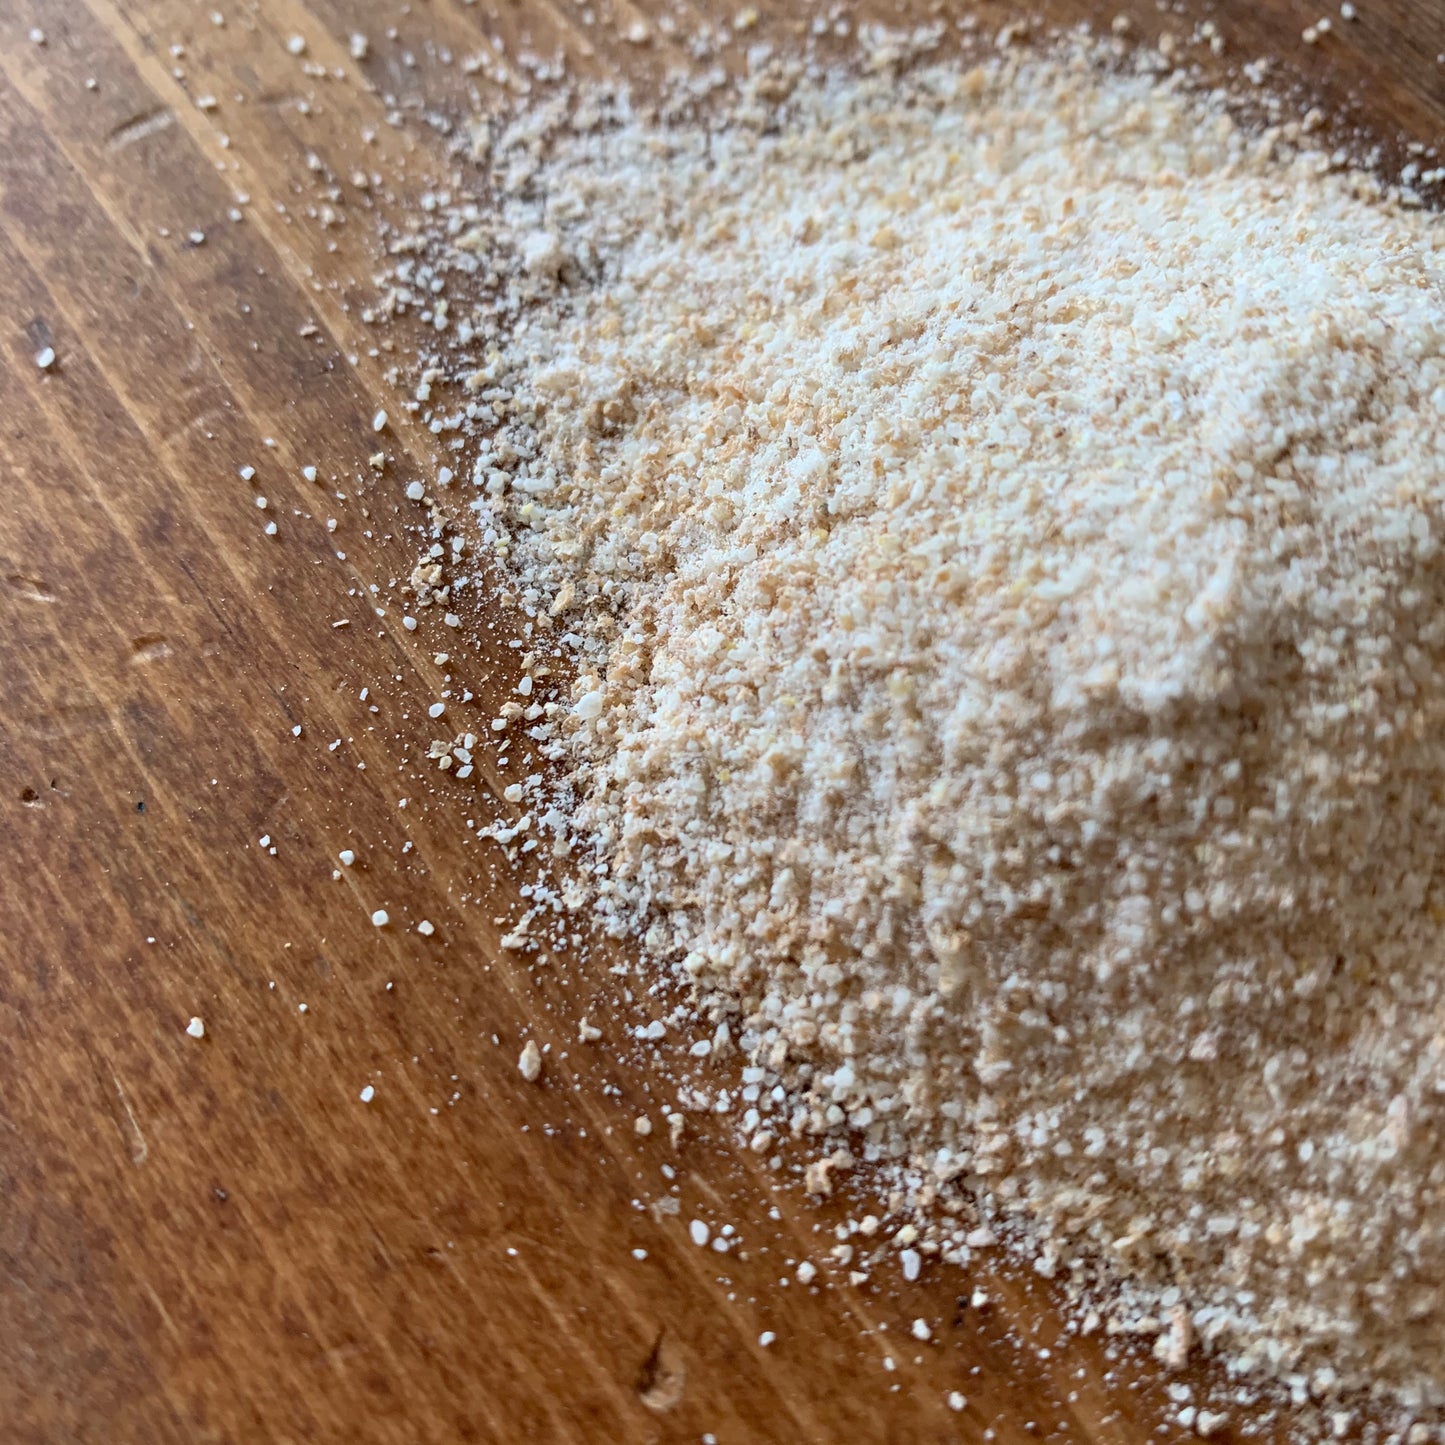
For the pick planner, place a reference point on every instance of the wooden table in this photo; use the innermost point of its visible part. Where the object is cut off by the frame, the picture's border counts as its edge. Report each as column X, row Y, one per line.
column 215, row 1239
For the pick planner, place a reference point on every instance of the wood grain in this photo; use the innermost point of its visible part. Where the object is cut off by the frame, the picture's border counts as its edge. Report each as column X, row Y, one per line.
column 215, row 1240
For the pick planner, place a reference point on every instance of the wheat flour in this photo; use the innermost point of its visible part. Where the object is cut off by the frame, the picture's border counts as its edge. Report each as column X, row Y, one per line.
column 996, row 515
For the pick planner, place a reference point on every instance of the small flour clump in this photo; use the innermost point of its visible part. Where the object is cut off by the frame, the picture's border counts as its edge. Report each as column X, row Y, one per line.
column 997, row 516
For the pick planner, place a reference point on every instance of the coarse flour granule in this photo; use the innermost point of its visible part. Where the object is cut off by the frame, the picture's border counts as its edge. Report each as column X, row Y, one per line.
column 997, row 515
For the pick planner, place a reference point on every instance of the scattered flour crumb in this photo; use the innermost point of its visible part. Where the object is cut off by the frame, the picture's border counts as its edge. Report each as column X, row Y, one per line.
column 530, row 1062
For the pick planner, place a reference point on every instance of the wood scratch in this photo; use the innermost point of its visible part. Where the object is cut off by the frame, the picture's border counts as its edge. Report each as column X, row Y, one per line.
column 161, row 1310
column 150, row 647
column 134, row 1138
column 178, row 427
column 141, row 126
column 31, row 588
column 662, row 1378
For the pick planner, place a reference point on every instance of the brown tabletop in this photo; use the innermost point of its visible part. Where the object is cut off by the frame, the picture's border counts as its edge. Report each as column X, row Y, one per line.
column 215, row 1239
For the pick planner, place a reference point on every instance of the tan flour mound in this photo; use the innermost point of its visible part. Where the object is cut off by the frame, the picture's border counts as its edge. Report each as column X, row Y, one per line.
column 997, row 516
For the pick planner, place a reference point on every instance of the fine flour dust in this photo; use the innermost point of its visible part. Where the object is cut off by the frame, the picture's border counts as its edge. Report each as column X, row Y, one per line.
column 997, row 514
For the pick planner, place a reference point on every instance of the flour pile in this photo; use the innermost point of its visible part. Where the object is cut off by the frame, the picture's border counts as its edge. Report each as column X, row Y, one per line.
column 997, row 516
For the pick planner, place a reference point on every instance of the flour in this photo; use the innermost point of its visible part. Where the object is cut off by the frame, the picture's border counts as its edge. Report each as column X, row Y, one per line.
column 997, row 516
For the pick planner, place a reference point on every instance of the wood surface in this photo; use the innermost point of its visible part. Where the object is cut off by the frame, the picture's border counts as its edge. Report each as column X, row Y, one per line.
column 216, row 1240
